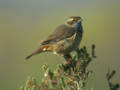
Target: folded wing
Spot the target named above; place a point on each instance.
(60, 33)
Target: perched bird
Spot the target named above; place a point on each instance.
(65, 39)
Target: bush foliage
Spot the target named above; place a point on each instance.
(67, 76)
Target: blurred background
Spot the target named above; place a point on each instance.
(23, 23)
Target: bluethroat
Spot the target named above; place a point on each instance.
(65, 39)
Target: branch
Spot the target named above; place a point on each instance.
(72, 77)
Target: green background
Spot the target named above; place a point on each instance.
(23, 23)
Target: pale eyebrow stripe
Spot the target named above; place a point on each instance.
(70, 19)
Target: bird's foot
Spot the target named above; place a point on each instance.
(67, 64)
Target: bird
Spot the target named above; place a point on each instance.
(63, 40)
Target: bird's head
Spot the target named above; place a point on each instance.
(74, 21)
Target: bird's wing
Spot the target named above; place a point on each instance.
(60, 33)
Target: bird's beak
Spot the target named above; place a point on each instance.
(80, 20)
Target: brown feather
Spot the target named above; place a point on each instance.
(60, 33)
(42, 48)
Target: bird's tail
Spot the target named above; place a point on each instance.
(28, 57)
(40, 50)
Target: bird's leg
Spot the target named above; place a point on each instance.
(68, 57)
(78, 53)
(68, 62)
